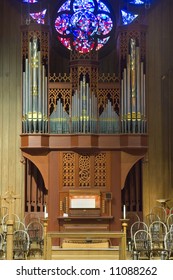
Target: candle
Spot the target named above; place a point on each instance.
(45, 212)
(124, 211)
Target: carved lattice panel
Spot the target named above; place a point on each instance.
(74, 78)
(43, 37)
(59, 78)
(100, 170)
(109, 94)
(76, 56)
(138, 35)
(84, 171)
(62, 93)
(68, 167)
(94, 79)
(44, 43)
(84, 64)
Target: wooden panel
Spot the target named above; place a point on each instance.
(156, 180)
(11, 168)
(85, 227)
(84, 212)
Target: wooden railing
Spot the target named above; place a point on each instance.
(85, 236)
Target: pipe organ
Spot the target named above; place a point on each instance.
(84, 106)
(84, 130)
(87, 109)
(132, 71)
(35, 79)
(83, 115)
(133, 114)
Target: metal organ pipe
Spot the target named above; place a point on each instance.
(142, 96)
(29, 92)
(45, 116)
(24, 103)
(133, 82)
(138, 92)
(39, 94)
(25, 95)
(83, 114)
(128, 96)
(124, 101)
(122, 111)
(34, 91)
(144, 102)
(34, 64)
(133, 115)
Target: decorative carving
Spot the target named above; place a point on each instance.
(108, 78)
(100, 170)
(42, 36)
(68, 167)
(105, 94)
(62, 93)
(63, 78)
(84, 171)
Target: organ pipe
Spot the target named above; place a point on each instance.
(128, 96)
(133, 82)
(138, 91)
(34, 90)
(83, 115)
(133, 113)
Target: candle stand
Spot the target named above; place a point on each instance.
(124, 223)
(45, 225)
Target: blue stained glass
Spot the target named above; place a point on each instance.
(127, 17)
(105, 24)
(101, 43)
(103, 7)
(137, 2)
(83, 24)
(30, 1)
(65, 42)
(84, 5)
(39, 17)
(62, 24)
(83, 45)
(65, 7)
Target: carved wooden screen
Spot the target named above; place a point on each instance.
(85, 170)
(84, 173)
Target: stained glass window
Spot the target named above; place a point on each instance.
(83, 25)
(30, 1)
(39, 17)
(137, 2)
(128, 17)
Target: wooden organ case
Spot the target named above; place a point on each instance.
(85, 198)
(78, 132)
